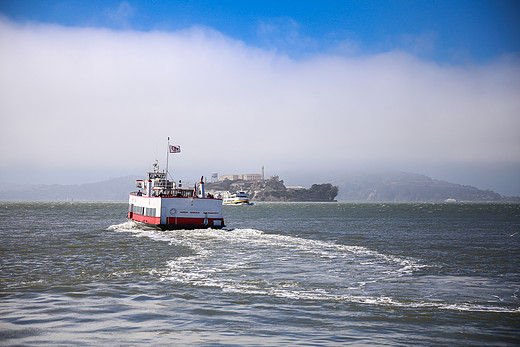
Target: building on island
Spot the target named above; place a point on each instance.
(244, 177)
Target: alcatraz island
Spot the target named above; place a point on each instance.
(271, 189)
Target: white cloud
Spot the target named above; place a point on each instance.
(95, 98)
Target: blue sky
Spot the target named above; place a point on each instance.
(310, 90)
(443, 31)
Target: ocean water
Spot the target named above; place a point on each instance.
(312, 274)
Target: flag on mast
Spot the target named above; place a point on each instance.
(175, 149)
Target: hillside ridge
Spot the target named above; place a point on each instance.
(386, 187)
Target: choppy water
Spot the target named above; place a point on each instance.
(283, 274)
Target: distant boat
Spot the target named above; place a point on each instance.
(168, 205)
(450, 200)
(240, 198)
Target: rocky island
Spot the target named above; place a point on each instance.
(274, 189)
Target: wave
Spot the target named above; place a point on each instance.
(253, 262)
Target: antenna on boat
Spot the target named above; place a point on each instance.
(167, 156)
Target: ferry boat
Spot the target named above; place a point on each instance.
(240, 198)
(166, 204)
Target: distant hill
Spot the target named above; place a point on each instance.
(409, 187)
(116, 189)
(388, 187)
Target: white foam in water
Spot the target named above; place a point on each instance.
(251, 262)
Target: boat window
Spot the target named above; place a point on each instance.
(139, 210)
(149, 211)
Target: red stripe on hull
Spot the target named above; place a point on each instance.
(194, 221)
(144, 219)
(179, 222)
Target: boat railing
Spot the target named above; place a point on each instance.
(172, 193)
(163, 184)
(176, 193)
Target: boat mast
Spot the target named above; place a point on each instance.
(167, 156)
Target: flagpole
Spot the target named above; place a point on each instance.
(167, 156)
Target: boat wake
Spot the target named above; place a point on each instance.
(252, 262)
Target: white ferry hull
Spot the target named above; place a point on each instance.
(169, 213)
